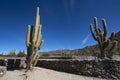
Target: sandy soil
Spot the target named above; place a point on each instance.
(42, 74)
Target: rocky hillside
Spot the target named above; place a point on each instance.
(87, 51)
(117, 37)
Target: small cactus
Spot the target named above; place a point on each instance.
(106, 45)
(33, 42)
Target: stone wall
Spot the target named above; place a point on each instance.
(13, 64)
(105, 68)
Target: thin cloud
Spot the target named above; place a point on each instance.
(72, 4)
(85, 39)
(68, 6)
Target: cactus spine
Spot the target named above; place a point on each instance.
(105, 44)
(33, 42)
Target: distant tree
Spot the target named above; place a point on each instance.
(21, 54)
(12, 53)
(1, 54)
(46, 54)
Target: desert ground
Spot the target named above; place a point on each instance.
(42, 74)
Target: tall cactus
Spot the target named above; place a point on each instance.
(105, 44)
(33, 42)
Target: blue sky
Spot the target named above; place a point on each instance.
(65, 23)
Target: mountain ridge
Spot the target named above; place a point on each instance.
(88, 50)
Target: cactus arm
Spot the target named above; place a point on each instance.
(35, 35)
(41, 43)
(34, 56)
(96, 26)
(36, 59)
(38, 42)
(37, 21)
(112, 36)
(99, 30)
(91, 30)
(113, 46)
(96, 23)
(104, 27)
(40, 28)
(36, 32)
(39, 38)
(28, 36)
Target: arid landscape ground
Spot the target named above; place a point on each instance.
(43, 74)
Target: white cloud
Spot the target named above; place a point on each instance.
(85, 39)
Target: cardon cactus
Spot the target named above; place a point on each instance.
(105, 44)
(33, 42)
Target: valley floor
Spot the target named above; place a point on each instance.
(42, 74)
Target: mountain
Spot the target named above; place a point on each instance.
(88, 50)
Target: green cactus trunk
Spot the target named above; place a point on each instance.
(33, 42)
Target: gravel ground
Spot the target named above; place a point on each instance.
(42, 74)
